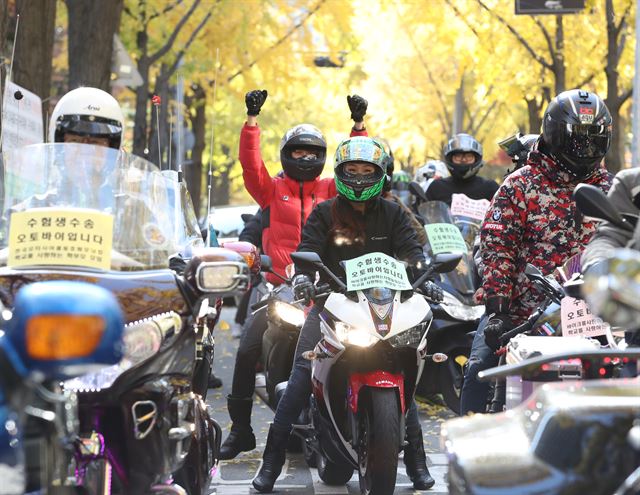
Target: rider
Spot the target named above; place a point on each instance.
(87, 115)
(533, 219)
(286, 202)
(463, 158)
(431, 171)
(357, 222)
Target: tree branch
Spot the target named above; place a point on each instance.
(518, 36)
(625, 96)
(168, 8)
(288, 34)
(189, 42)
(547, 37)
(623, 20)
(462, 17)
(169, 43)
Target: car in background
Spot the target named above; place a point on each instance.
(228, 220)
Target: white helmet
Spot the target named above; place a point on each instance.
(433, 169)
(87, 112)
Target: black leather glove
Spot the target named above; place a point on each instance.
(303, 288)
(494, 330)
(358, 107)
(254, 101)
(432, 292)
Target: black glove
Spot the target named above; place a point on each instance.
(497, 326)
(358, 107)
(432, 292)
(303, 288)
(254, 101)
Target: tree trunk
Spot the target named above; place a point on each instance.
(34, 46)
(193, 171)
(221, 188)
(159, 154)
(614, 159)
(4, 17)
(142, 101)
(92, 26)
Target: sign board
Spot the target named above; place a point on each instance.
(462, 205)
(21, 117)
(554, 7)
(376, 270)
(445, 238)
(578, 320)
(60, 236)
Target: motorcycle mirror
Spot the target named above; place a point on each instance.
(246, 217)
(417, 191)
(532, 272)
(307, 258)
(446, 262)
(592, 202)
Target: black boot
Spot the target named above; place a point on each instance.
(272, 459)
(241, 437)
(415, 460)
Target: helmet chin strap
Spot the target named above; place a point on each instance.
(572, 173)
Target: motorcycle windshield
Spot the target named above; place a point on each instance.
(449, 234)
(89, 206)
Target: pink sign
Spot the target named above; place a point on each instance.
(578, 321)
(462, 205)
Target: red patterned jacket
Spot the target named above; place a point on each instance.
(532, 219)
(285, 202)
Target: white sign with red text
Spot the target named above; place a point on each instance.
(578, 320)
(462, 205)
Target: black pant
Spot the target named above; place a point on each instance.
(298, 389)
(249, 351)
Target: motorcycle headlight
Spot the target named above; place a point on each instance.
(348, 334)
(409, 338)
(289, 314)
(454, 308)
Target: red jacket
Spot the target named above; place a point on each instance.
(285, 202)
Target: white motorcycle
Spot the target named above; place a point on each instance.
(365, 368)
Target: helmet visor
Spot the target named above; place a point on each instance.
(587, 140)
(89, 126)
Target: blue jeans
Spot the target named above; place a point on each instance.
(473, 397)
(298, 390)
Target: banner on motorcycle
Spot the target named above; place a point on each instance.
(376, 270)
(54, 236)
(445, 238)
(462, 205)
(578, 320)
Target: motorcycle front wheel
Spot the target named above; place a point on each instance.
(379, 442)
(331, 473)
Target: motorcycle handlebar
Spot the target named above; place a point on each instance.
(260, 304)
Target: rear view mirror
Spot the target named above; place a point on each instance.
(417, 191)
(309, 259)
(266, 265)
(446, 262)
(592, 202)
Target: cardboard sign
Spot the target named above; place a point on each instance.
(578, 321)
(445, 238)
(462, 205)
(55, 236)
(376, 270)
(21, 118)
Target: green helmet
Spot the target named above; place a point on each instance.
(358, 187)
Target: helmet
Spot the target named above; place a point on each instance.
(357, 187)
(518, 147)
(389, 162)
(307, 137)
(400, 180)
(576, 131)
(433, 169)
(462, 143)
(87, 112)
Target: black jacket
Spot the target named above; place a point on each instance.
(625, 196)
(252, 231)
(388, 231)
(475, 188)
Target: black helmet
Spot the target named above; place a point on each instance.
(463, 143)
(307, 137)
(518, 147)
(389, 162)
(576, 131)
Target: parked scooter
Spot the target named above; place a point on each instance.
(366, 367)
(94, 214)
(57, 330)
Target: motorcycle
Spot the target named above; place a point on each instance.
(366, 367)
(457, 317)
(80, 212)
(56, 330)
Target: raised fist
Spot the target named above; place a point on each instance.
(254, 101)
(358, 107)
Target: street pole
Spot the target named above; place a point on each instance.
(635, 122)
(180, 120)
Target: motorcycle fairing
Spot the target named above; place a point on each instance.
(374, 379)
